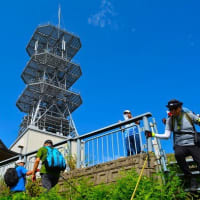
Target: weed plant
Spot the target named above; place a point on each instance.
(122, 189)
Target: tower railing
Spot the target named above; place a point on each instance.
(102, 145)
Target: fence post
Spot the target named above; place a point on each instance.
(83, 151)
(69, 150)
(146, 128)
(78, 164)
(163, 156)
(25, 160)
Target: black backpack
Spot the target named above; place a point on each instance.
(10, 177)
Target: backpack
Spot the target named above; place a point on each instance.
(54, 159)
(196, 134)
(10, 177)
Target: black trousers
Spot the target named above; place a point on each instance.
(49, 181)
(181, 152)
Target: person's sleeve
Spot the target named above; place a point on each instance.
(40, 153)
(168, 125)
(24, 171)
(166, 135)
(168, 130)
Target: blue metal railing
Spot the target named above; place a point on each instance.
(110, 146)
(101, 145)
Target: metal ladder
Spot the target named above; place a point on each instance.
(159, 152)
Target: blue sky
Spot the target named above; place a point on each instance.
(135, 55)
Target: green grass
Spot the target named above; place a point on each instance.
(122, 189)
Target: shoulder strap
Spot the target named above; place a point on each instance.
(190, 120)
(48, 148)
(17, 173)
(172, 128)
(179, 122)
(173, 120)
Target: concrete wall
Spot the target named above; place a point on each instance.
(33, 139)
(109, 171)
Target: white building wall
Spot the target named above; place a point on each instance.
(33, 139)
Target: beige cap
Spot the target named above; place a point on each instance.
(127, 111)
(19, 161)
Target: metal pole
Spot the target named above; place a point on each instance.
(97, 151)
(140, 138)
(78, 164)
(112, 147)
(83, 148)
(25, 160)
(162, 154)
(134, 136)
(118, 143)
(102, 149)
(146, 128)
(93, 152)
(107, 148)
(69, 147)
(123, 138)
(36, 112)
(129, 145)
(88, 156)
(59, 13)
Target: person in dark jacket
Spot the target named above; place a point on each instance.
(181, 123)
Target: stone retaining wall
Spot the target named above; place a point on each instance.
(109, 171)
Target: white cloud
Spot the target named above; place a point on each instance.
(104, 16)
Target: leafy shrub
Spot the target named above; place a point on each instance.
(4, 190)
(148, 189)
(122, 189)
(71, 161)
(34, 189)
(53, 194)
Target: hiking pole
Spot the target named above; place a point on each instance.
(138, 181)
(148, 157)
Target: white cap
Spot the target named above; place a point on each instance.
(19, 161)
(127, 111)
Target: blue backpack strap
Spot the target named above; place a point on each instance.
(59, 161)
(49, 151)
(54, 159)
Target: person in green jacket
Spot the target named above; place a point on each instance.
(49, 177)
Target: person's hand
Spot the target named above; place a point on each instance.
(33, 177)
(198, 120)
(164, 120)
(149, 134)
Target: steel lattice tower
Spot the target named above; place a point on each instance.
(49, 75)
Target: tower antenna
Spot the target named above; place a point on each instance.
(59, 14)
